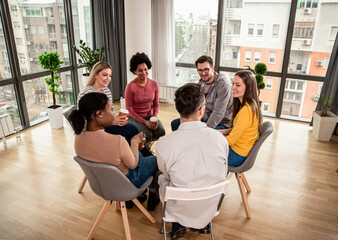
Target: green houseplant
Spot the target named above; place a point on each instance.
(260, 70)
(88, 56)
(51, 61)
(324, 121)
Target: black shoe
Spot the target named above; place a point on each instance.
(177, 231)
(143, 197)
(130, 204)
(153, 200)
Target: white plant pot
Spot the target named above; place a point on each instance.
(84, 79)
(55, 117)
(323, 126)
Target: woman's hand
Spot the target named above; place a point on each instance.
(140, 137)
(149, 125)
(120, 121)
(225, 131)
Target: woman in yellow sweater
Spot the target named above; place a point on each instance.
(247, 117)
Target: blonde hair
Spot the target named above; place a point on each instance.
(98, 67)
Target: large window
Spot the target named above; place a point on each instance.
(255, 32)
(39, 27)
(195, 32)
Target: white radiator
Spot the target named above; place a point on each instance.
(167, 94)
(6, 125)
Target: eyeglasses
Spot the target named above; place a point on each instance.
(202, 105)
(205, 70)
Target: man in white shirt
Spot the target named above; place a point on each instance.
(193, 156)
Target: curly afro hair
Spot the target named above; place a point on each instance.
(137, 59)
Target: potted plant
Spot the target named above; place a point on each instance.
(260, 70)
(324, 121)
(51, 61)
(88, 56)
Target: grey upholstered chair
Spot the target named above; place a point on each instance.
(68, 112)
(111, 184)
(267, 129)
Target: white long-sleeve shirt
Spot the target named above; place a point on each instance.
(192, 156)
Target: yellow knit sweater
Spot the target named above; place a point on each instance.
(244, 133)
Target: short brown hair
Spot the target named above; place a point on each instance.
(204, 58)
(188, 99)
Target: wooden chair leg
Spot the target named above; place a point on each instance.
(117, 206)
(83, 183)
(145, 212)
(246, 184)
(125, 220)
(99, 219)
(239, 177)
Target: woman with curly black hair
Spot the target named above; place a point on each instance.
(142, 98)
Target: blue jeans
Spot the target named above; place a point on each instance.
(127, 131)
(234, 159)
(146, 167)
(176, 123)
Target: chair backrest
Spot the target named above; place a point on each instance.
(200, 205)
(267, 129)
(69, 111)
(194, 194)
(109, 182)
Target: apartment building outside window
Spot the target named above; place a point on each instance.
(314, 22)
(260, 28)
(272, 57)
(257, 56)
(248, 54)
(275, 30)
(251, 29)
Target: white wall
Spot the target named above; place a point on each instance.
(138, 30)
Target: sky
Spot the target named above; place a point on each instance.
(197, 7)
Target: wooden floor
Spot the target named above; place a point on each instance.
(294, 190)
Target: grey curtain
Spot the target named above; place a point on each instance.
(109, 31)
(330, 86)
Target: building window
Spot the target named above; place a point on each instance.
(272, 57)
(41, 30)
(275, 30)
(19, 41)
(299, 67)
(248, 55)
(269, 82)
(32, 29)
(22, 56)
(250, 29)
(234, 55)
(14, 8)
(266, 106)
(257, 56)
(333, 33)
(260, 29)
(16, 25)
(300, 85)
(303, 30)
